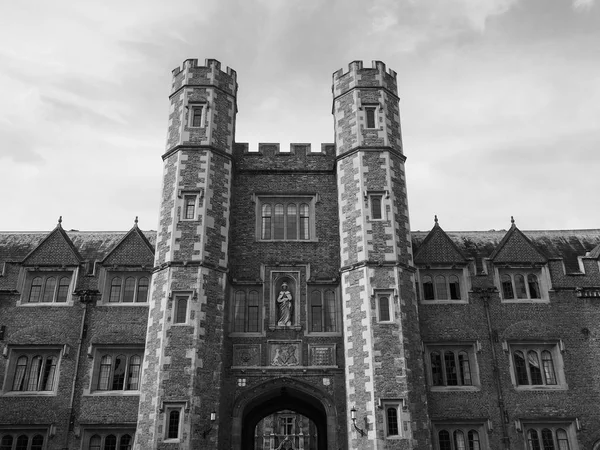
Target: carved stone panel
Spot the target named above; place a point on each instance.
(246, 355)
(322, 355)
(285, 353)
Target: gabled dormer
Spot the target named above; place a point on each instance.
(520, 268)
(49, 272)
(442, 269)
(125, 272)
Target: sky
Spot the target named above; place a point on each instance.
(500, 101)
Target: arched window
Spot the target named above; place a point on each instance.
(330, 311)
(173, 425)
(533, 439)
(534, 367)
(465, 369)
(104, 373)
(392, 421)
(125, 442)
(278, 222)
(253, 312)
(37, 443)
(304, 222)
(133, 377)
(459, 440)
(316, 309)
(548, 365)
(6, 442)
(95, 442)
(375, 207)
(450, 366)
(110, 442)
(534, 288)
(63, 290)
(444, 440)
(22, 442)
(547, 439)
(47, 382)
(266, 221)
(520, 368)
(520, 286)
(34, 373)
(119, 373)
(181, 309)
(239, 319)
(49, 290)
(436, 369)
(384, 308)
(142, 293)
(440, 288)
(19, 378)
(562, 439)
(35, 292)
(115, 290)
(454, 287)
(507, 288)
(428, 288)
(129, 290)
(292, 222)
(473, 437)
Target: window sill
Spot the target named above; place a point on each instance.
(246, 334)
(33, 305)
(121, 304)
(29, 394)
(454, 388)
(558, 387)
(326, 333)
(295, 241)
(526, 300)
(112, 394)
(445, 302)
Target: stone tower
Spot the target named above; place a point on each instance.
(182, 364)
(385, 383)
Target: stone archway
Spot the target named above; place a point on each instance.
(283, 394)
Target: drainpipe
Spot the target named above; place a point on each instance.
(485, 294)
(85, 297)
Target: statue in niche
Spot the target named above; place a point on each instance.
(284, 301)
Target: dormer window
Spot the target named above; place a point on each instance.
(439, 285)
(47, 287)
(516, 285)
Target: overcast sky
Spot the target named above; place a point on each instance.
(500, 100)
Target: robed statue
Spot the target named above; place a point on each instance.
(284, 301)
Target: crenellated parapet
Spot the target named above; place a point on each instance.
(270, 156)
(357, 76)
(208, 75)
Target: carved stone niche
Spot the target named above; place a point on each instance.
(285, 301)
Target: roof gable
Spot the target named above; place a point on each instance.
(133, 249)
(56, 249)
(515, 247)
(594, 253)
(438, 248)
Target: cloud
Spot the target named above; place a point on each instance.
(583, 5)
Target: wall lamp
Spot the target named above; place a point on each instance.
(213, 417)
(353, 417)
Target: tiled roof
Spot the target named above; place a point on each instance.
(438, 248)
(565, 244)
(91, 245)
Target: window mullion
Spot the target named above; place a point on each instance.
(458, 366)
(443, 364)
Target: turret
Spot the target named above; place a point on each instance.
(383, 384)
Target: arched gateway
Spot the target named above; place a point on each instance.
(283, 394)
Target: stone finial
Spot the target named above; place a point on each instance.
(512, 220)
(59, 224)
(435, 219)
(135, 222)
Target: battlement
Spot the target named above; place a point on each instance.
(358, 76)
(210, 74)
(271, 157)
